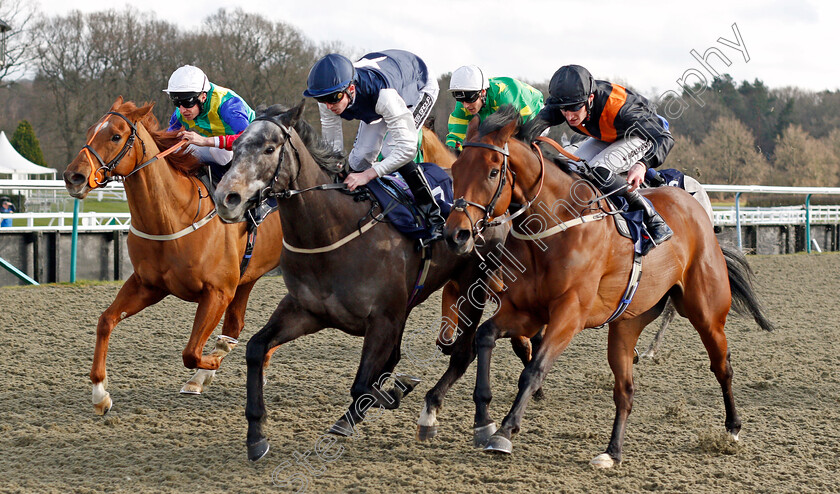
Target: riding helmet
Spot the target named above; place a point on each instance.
(468, 78)
(570, 85)
(188, 79)
(331, 74)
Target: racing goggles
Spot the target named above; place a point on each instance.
(186, 102)
(330, 99)
(572, 107)
(466, 96)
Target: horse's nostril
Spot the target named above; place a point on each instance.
(462, 236)
(233, 200)
(74, 178)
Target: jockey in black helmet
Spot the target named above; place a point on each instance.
(625, 135)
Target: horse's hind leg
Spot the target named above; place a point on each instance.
(380, 354)
(525, 348)
(287, 323)
(706, 305)
(667, 317)
(131, 299)
(226, 342)
(621, 344)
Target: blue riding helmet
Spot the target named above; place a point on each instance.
(570, 85)
(331, 74)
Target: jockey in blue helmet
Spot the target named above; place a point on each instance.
(391, 92)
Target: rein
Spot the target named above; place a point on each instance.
(108, 175)
(268, 192)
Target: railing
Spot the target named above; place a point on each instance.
(61, 221)
(765, 189)
(736, 216)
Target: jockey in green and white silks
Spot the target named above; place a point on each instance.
(476, 95)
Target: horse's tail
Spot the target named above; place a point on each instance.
(741, 278)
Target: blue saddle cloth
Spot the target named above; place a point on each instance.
(635, 219)
(393, 194)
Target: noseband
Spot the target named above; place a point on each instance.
(107, 169)
(482, 224)
(269, 191)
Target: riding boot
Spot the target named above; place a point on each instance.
(413, 175)
(610, 182)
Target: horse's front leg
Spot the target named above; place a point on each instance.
(288, 322)
(226, 342)
(131, 299)
(565, 322)
(485, 341)
(211, 306)
(456, 339)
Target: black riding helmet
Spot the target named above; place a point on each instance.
(570, 85)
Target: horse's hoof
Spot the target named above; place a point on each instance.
(498, 444)
(733, 436)
(603, 460)
(426, 432)
(341, 427)
(408, 382)
(258, 450)
(192, 388)
(482, 434)
(635, 355)
(103, 406)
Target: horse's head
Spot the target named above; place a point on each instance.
(108, 143)
(482, 178)
(262, 162)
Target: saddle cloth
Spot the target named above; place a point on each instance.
(394, 195)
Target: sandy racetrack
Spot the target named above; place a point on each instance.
(787, 387)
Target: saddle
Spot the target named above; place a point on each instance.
(395, 197)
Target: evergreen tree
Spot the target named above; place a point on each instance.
(25, 143)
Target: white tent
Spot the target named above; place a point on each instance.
(20, 168)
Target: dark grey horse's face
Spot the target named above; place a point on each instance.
(256, 156)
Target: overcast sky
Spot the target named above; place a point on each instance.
(645, 44)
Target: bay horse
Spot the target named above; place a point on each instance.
(575, 269)
(343, 269)
(176, 244)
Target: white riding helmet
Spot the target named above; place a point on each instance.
(188, 79)
(468, 78)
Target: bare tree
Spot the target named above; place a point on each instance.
(730, 154)
(801, 160)
(20, 16)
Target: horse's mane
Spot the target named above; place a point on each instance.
(322, 152)
(181, 160)
(526, 133)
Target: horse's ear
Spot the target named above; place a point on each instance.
(508, 130)
(472, 129)
(117, 103)
(291, 116)
(141, 112)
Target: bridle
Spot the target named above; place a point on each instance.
(106, 170)
(486, 221)
(269, 190)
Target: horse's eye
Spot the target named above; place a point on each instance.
(269, 150)
(494, 173)
(116, 138)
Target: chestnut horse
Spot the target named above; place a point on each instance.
(200, 263)
(343, 269)
(574, 271)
